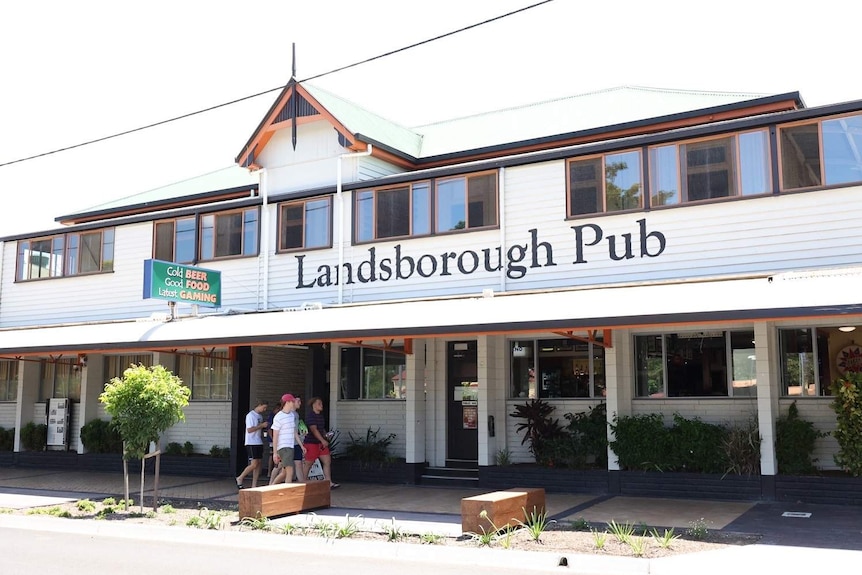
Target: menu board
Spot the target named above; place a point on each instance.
(58, 421)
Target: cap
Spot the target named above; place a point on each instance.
(287, 397)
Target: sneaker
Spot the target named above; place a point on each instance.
(334, 485)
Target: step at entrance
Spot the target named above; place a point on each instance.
(455, 474)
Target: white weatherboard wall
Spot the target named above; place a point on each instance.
(7, 414)
(207, 423)
(358, 416)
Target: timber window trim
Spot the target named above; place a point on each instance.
(592, 183)
(65, 255)
(453, 204)
(305, 224)
(821, 153)
(208, 237)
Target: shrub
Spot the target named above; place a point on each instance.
(174, 448)
(7, 439)
(794, 443)
(538, 426)
(847, 405)
(590, 428)
(742, 448)
(697, 446)
(34, 437)
(641, 442)
(188, 448)
(369, 449)
(99, 436)
(217, 451)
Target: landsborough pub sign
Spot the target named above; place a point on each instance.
(179, 283)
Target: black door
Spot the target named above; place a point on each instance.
(463, 403)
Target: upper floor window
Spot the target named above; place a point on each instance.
(208, 376)
(305, 224)
(225, 234)
(8, 380)
(459, 203)
(696, 364)
(608, 183)
(821, 153)
(68, 254)
(736, 165)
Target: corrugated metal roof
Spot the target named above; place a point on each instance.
(224, 179)
(563, 115)
(361, 121)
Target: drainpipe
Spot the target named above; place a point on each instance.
(263, 190)
(502, 208)
(340, 201)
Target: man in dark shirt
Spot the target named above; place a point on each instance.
(317, 442)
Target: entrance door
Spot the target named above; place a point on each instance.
(463, 403)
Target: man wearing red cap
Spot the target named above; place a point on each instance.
(284, 437)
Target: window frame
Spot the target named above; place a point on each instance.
(70, 388)
(9, 372)
(116, 365)
(207, 390)
(361, 385)
(283, 206)
(65, 254)
(199, 231)
(822, 159)
(663, 393)
(602, 181)
(532, 388)
(430, 210)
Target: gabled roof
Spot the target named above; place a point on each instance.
(594, 115)
(227, 183)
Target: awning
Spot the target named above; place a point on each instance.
(817, 294)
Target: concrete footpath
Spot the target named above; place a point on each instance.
(795, 538)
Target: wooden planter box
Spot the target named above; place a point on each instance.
(389, 472)
(548, 478)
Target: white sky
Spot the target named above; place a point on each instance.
(75, 71)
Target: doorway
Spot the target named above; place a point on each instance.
(462, 444)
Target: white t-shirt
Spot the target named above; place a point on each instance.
(253, 419)
(285, 424)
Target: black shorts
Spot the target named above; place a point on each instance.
(297, 453)
(254, 451)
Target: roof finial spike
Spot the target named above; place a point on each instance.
(293, 69)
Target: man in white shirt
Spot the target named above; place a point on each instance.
(284, 436)
(254, 426)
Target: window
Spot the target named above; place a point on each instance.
(694, 364)
(208, 376)
(226, 234)
(229, 234)
(305, 224)
(393, 212)
(69, 254)
(175, 241)
(811, 358)
(373, 373)
(460, 203)
(8, 380)
(60, 379)
(609, 183)
(818, 153)
(116, 365)
(557, 368)
(710, 169)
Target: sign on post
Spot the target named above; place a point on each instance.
(176, 282)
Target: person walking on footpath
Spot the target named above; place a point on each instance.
(316, 442)
(299, 446)
(284, 436)
(270, 451)
(254, 426)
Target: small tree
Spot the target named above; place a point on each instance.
(144, 403)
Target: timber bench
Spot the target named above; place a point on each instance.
(283, 499)
(503, 508)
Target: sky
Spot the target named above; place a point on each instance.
(71, 72)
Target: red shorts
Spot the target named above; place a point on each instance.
(315, 450)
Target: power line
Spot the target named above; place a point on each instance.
(238, 100)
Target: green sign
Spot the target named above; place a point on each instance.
(175, 282)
